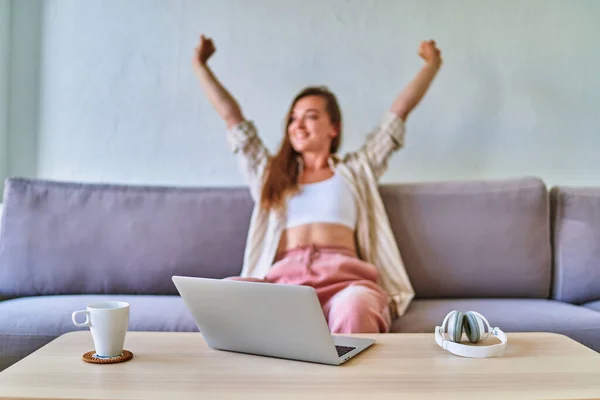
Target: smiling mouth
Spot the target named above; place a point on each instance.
(301, 135)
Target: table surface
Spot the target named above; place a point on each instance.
(177, 365)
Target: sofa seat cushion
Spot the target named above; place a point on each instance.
(28, 323)
(511, 315)
(594, 305)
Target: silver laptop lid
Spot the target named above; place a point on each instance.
(268, 319)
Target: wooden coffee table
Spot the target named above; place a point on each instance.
(181, 366)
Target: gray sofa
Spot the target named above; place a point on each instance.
(525, 256)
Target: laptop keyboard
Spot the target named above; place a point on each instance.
(343, 350)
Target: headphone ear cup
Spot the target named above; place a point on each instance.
(455, 326)
(474, 327)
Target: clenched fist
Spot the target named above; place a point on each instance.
(430, 53)
(203, 51)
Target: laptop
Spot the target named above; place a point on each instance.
(265, 319)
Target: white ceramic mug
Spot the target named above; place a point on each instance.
(108, 321)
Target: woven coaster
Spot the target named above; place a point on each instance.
(91, 357)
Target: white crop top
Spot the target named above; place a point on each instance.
(329, 201)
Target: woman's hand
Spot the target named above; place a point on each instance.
(412, 94)
(430, 53)
(219, 97)
(203, 51)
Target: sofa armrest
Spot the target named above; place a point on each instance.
(576, 243)
(0, 221)
(1, 297)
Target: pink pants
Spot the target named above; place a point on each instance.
(346, 286)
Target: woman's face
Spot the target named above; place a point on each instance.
(310, 128)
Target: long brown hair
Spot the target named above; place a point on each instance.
(281, 179)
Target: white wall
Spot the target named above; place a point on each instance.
(20, 37)
(25, 52)
(4, 77)
(519, 93)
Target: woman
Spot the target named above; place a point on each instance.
(318, 218)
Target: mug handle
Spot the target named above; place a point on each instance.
(87, 318)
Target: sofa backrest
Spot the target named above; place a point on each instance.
(458, 239)
(488, 238)
(576, 242)
(69, 238)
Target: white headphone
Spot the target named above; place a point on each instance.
(476, 327)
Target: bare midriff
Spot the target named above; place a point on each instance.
(318, 234)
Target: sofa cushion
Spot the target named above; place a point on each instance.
(28, 323)
(473, 238)
(70, 238)
(576, 242)
(594, 305)
(510, 315)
